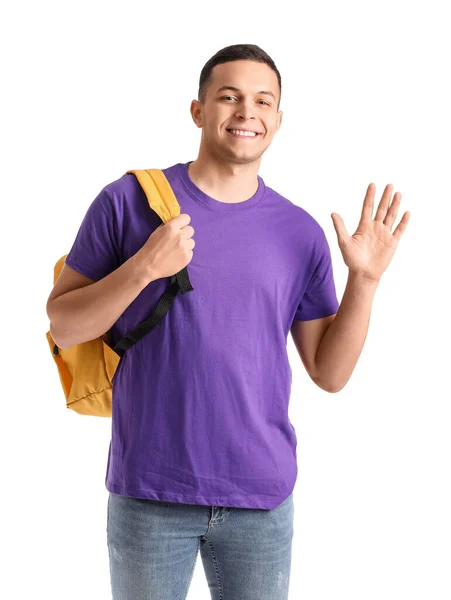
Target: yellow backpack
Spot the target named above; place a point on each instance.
(86, 370)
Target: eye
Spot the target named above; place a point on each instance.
(226, 97)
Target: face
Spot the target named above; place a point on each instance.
(241, 95)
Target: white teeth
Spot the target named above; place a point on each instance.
(243, 133)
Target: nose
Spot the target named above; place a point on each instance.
(244, 110)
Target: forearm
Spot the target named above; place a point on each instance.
(88, 312)
(343, 341)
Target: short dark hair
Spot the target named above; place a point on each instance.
(236, 52)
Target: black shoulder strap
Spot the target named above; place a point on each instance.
(179, 281)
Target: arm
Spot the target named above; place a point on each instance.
(343, 341)
(94, 288)
(81, 309)
(307, 336)
(330, 347)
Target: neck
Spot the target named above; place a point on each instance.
(225, 181)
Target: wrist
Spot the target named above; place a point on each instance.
(360, 278)
(143, 268)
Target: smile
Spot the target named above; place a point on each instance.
(242, 134)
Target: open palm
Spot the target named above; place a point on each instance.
(371, 248)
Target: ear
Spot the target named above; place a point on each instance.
(279, 119)
(196, 112)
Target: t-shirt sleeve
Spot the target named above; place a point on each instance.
(95, 251)
(319, 298)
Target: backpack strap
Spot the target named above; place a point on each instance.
(159, 193)
(163, 201)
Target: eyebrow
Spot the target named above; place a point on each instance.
(235, 89)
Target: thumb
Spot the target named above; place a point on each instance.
(340, 228)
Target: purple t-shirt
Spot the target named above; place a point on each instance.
(200, 404)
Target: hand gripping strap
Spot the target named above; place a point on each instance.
(162, 200)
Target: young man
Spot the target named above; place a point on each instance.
(203, 454)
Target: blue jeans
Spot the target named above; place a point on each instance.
(153, 546)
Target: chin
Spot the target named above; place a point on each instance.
(243, 159)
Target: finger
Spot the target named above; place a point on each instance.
(368, 204)
(401, 226)
(383, 204)
(340, 228)
(393, 210)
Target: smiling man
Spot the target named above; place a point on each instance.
(238, 111)
(202, 453)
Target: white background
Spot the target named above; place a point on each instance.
(94, 89)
